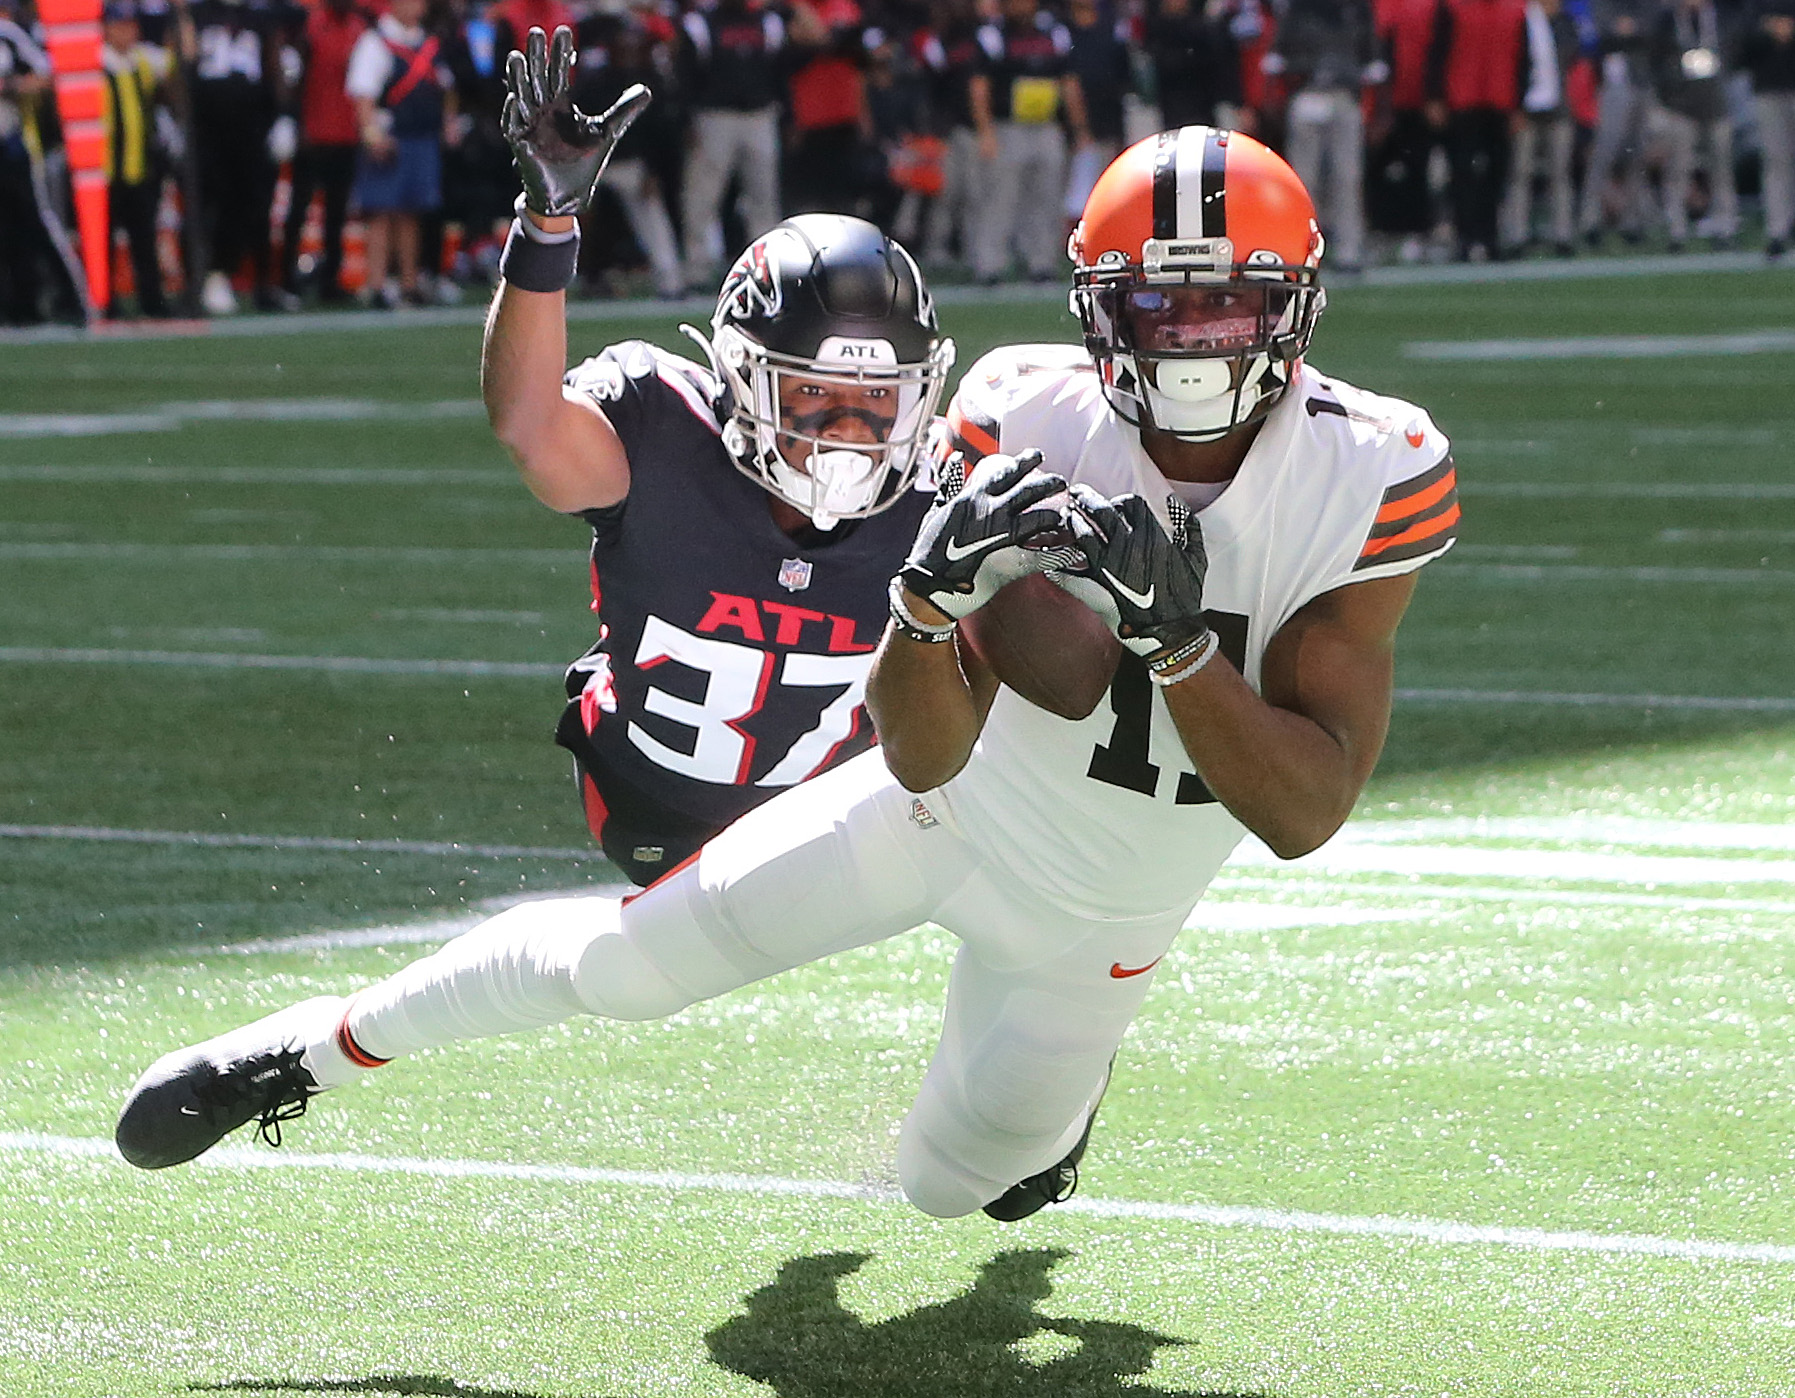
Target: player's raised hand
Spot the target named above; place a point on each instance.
(560, 151)
(1146, 584)
(972, 540)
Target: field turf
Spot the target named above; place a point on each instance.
(1492, 1096)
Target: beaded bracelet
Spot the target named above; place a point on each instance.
(907, 623)
(1185, 661)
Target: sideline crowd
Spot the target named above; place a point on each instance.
(268, 153)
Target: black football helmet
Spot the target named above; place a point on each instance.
(826, 297)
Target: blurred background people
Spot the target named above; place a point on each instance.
(1020, 92)
(1403, 135)
(1324, 53)
(404, 105)
(1623, 57)
(617, 50)
(238, 88)
(137, 78)
(735, 59)
(1768, 54)
(1689, 80)
(1545, 133)
(1477, 68)
(329, 136)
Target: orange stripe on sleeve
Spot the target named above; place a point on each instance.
(970, 432)
(1414, 504)
(1426, 529)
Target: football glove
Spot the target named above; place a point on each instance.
(560, 151)
(972, 540)
(1146, 585)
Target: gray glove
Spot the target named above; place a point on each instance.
(974, 541)
(1146, 585)
(560, 151)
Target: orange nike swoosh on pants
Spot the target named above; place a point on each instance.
(1122, 973)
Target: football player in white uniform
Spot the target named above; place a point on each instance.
(1247, 527)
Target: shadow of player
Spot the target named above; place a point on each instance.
(795, 1336)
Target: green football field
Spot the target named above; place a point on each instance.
(1490, 1096)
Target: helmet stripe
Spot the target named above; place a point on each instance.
(1214, 184)
(1165, 186)
(1191, 223)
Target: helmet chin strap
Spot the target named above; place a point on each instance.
(839, 482)
(1197, 398)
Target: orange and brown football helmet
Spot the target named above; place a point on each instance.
(1195, 279)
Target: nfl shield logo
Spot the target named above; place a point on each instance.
(794, 575)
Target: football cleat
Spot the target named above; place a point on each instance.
(1054, 1185)
(190, 1099)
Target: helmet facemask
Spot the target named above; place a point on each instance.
(1191, 343)
(791, 452)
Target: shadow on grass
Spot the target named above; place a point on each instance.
(373, 1385)
(795, 1336)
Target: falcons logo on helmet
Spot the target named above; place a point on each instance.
(752, 286)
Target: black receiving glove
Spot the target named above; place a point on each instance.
(560, 151)
(1146, 585)
(972, 541)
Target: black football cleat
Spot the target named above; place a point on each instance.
(1054, 1185)
(190, 1099)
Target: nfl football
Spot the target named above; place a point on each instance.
(1046, 645)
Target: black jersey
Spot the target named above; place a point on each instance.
(236, 75)
(732, 658)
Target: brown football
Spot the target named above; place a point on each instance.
(1046, 645)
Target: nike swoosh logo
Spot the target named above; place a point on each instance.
(955, 553)
(1415, 437)
(1120, 972)
(1143, 600)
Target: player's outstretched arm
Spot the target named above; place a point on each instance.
(1292, 763)
(928, 704)
(563, 444)
(927, 693)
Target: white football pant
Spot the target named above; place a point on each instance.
(1037, 1004)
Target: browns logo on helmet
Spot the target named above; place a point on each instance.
(1195, 280)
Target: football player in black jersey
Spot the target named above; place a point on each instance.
(747, 512)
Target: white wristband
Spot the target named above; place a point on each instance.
(1211, 647)
(536, 233)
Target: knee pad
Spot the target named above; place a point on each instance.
(935, 1184)
(615, 979)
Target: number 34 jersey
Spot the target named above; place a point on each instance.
(732, 658)
(1105, 815)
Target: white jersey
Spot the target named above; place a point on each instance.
(1105, 815)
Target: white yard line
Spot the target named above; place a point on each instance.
(1726, 536)
(60, 552)
(1529, 865)
(1369, 847)
(1444, 1232)
(231, 660)
(122, 473)
(1321, 885)
(1632, 490)
(1635, 832)
(171, 417)
(104, 834)
(1535, 698)
(1579, 572)
(377, 665)
(1770, 341)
